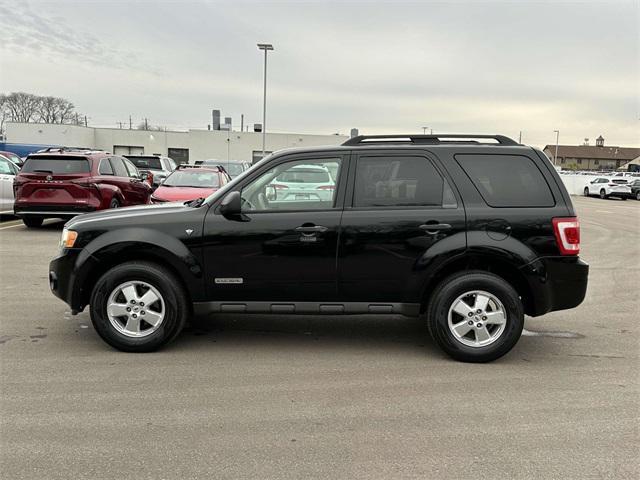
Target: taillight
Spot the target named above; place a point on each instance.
(567, 232)
(326, 187)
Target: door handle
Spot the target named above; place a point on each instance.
(434, 227)
(312, 229)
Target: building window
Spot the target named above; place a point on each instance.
(579, 161)
(128, 150)
(179, 155)
(256, 156)
(596, 162)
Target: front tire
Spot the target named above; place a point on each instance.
(114, 203)
(475, 316)
(32, 222)
(138, 307)
(638, 195)
(603, 194)
(586, 191)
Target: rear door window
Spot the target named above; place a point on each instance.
(397, 181)
(105, 167)
(56, 164)
(507, 180)
(131, 169)
(118, 166)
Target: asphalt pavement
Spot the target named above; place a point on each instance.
(322, 397)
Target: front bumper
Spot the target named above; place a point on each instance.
(65, 278)
(557, 283)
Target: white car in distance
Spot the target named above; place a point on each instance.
(304, 183)
(608, 187)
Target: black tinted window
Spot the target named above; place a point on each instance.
(56, 164)
(105, 167)
(118, 166)
(397, 181)
(146, 163)
(507, 180)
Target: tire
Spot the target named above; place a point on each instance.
(603, 194)
(172, 305)
(585, 192)
(114, 203)
(623, 198)
(638, 195)
(503, 337)
(33, 222)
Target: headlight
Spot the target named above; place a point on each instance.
(68, 238)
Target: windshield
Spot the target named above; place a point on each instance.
(192, 178)
(146, 163)
(12, 156)
(56, 164)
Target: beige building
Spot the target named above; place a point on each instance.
(591, 157)
(187, 146)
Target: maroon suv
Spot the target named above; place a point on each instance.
(65, 183)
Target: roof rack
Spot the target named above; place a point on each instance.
(428, 139)
(68, 149)
(182, 166)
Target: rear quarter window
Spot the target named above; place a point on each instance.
(56, 164)
(507, 180)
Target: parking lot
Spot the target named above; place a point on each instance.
(322, 397)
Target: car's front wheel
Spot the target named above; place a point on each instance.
(638, 195)
(603, 193)
(475, 316)
(586, 191)
(138, 307)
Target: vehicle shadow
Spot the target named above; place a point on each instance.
(368, 331)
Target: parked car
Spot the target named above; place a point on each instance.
(468, 235)
(8, 171)
(189, 183)
(232, 167)
(635, 189)
(304, 182)
(12, 157)
(159, 166)
(606, 187)
(65, 183)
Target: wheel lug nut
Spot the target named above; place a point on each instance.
(135, 316)
(471, 322)
(142, 312)
(479, 325)
(478, 311)
(128, 309)
(133, 302)
(471, 314)
(484, 318)
(142, 304)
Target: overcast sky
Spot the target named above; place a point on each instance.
(384, 67)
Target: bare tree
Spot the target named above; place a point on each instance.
(55, 110)
(23, 107)
(4, 114)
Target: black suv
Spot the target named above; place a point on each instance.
(468, 232)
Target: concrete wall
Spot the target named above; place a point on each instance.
(202, 144)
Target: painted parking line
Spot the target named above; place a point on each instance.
(603, 211)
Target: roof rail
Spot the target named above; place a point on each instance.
(182, 166)
(428, 139)
(68, 149)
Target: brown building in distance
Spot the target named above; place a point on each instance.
(590, 157)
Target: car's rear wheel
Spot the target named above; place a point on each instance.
(475, 316)
(586, 191)
(603, 193)
(33, 222)
(138, 307)
(114, 203)
(638, 195)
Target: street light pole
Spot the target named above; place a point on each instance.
(424, 130)
(555, 157)
(266, 47)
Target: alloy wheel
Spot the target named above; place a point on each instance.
(477, 318)
(135, 309)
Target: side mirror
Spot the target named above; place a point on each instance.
(231, 204)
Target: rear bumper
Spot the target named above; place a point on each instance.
(557, 283)
(52, 211)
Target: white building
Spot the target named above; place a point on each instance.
(186, 146)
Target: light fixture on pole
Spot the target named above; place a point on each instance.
(555, 157)
(424, 130)
(266, 47)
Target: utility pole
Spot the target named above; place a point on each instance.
(85, 121)
(424, 130)
(555, 157)
(146, 124)
(130, 124)
(120, 125)
(520, 137)
(266, 47)
(242, 122)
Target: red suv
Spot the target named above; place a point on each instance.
(64, 183)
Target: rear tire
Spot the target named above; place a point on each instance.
(127, 286)
(638, 196)
(114, 203)
(603, 194)
(33, 222)
(471, 344)
(586, 191)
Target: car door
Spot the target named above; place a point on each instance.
(276, 251)
(140, 190)
(8, 172)
(400, 214)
